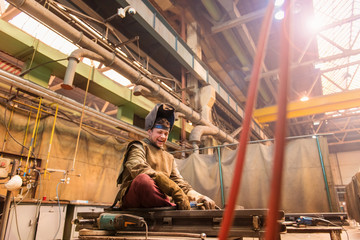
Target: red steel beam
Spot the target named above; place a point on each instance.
(272, 226)
(251, 97)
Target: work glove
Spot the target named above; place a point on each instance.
(203, 202)
(170, 188)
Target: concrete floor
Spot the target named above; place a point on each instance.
(353, 233)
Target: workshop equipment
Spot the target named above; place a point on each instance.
(336, 218)
(247, 223)
(115, 221)
(307, 221)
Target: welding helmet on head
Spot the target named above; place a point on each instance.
(161, 110)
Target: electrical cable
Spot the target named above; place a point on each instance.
(331, 223)
(39, 185)
(57, 196)
(25, 137)
(146, 229)
(15, 211)
(8, 131)
(16, 219)
(51, 139)
(38, 205)
(82, 117)
(37, 120)
(8, 127)
(42, 64)
(18, 202)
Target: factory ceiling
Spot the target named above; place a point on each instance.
(223, 35)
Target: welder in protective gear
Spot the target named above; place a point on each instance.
(149, 176)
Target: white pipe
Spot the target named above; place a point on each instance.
(73, 60)
(42, 14)
(66, 102)
(198, 131)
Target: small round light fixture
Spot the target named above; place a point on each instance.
(279, 15)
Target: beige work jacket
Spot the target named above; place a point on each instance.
(143, 157)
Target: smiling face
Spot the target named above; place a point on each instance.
(158, 136)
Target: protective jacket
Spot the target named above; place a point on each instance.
(143, 157)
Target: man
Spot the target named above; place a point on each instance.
(149, 174)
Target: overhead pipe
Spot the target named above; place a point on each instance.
(201, 130)
(135, 76)
(73, 60)
(196, 133)
(140, 90)
(66, 102)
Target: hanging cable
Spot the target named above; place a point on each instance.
(7, 127)
(37, 130)
(221, 178)
(33, 135)
(58, 201)
(16, 218)
(8, 131)
(324, 174)
(25, 138)
(82, 116)
(42, 64)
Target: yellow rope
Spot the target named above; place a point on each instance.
(33, 135)
(82, 116)
(51, 139)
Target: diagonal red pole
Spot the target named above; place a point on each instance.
(251, 97)
(272, 226)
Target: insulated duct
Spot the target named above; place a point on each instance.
(42, 14)
(73, 60)
(66, 102)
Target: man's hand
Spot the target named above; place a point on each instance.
(204, 202)
(207, 203)
(170, 188)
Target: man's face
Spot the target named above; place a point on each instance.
(158, 136)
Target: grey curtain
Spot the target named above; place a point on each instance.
(303, 188)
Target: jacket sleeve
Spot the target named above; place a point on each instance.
(135, 161)
(179, 180)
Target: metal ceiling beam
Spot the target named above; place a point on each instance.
(347, 53)
(317, 105)
(235, 22)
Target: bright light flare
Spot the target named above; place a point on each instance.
(304, 99)
(279, 3)
(279, 15)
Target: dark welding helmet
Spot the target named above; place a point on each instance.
(161, 110)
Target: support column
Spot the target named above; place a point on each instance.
(207, 98)
(125, 114)
(193, 39)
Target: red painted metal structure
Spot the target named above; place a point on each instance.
(244, 136)
(272, 231)
(9, 67)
